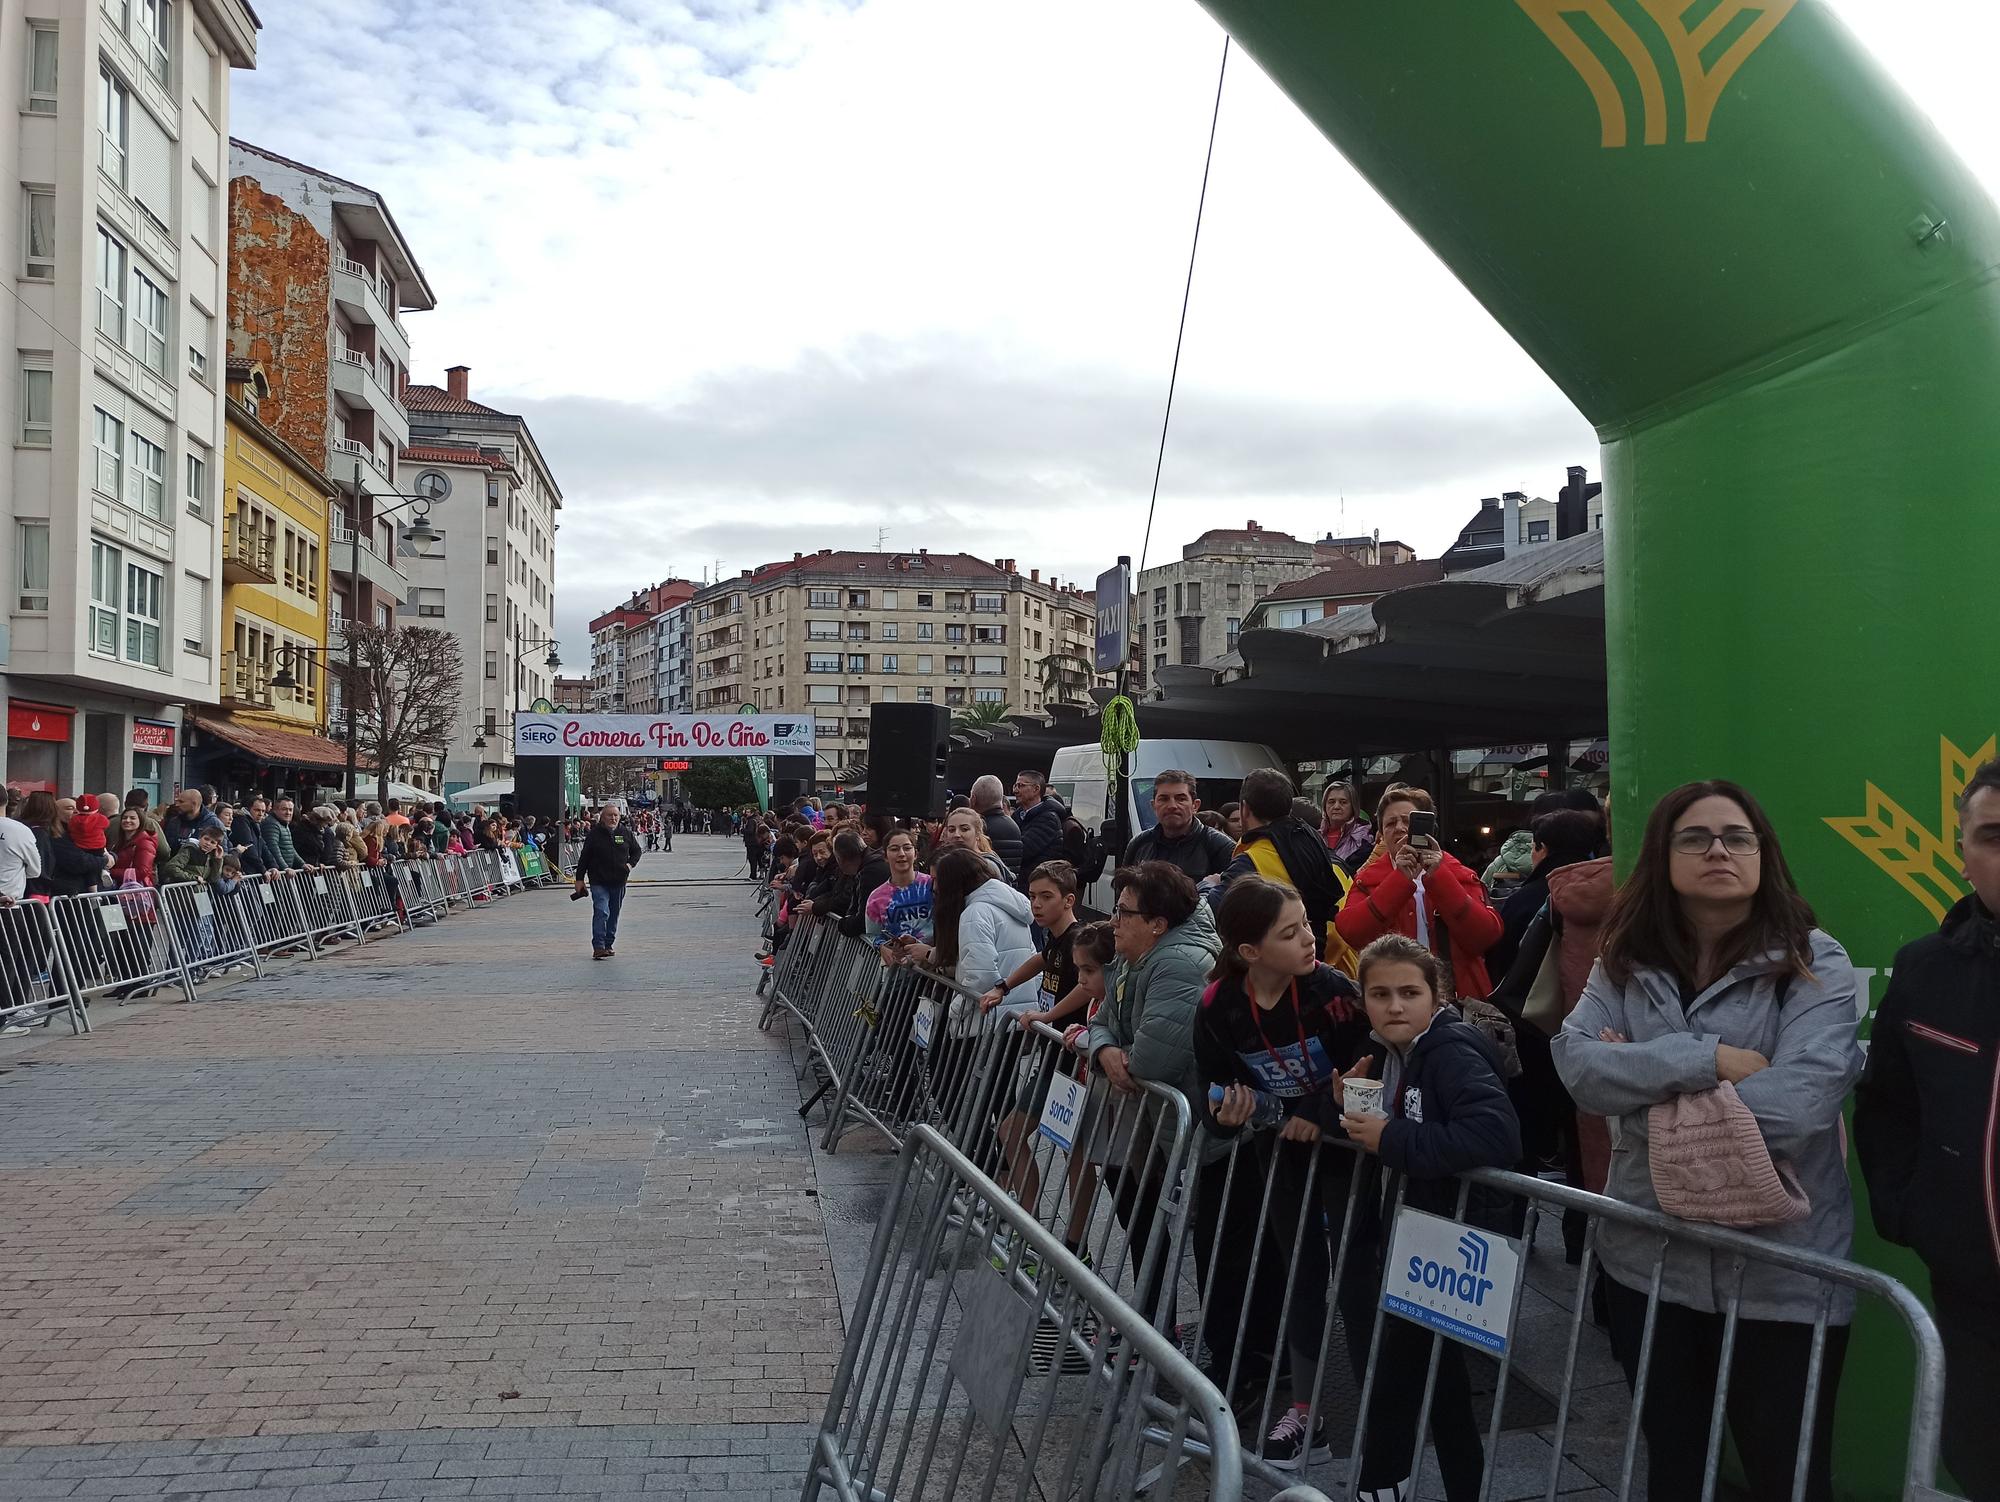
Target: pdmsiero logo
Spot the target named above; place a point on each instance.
(538, 733)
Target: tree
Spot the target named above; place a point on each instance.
(1066, 677)
(403, 685)
(718, 782)
(610, 776)
(983, 715)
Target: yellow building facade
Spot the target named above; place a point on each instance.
(274, 571)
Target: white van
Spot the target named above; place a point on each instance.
(1218, 767)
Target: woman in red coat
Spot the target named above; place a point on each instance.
(1423, 893)
(133, 855)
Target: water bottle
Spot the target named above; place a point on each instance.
(1269, 1111)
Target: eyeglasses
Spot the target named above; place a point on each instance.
(1121, 911)
(1695, 840)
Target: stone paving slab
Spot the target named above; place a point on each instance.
(457, 1213)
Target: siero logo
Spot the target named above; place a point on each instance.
(1469, 1284)
(538, 733)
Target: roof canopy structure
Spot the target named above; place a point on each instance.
(1513, 652)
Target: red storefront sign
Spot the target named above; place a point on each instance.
(35, 722)
(152, 738)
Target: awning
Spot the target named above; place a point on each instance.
(280, 748)
(485, 792)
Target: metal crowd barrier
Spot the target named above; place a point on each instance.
(1263, 1260)
(939, 1392)
(115, 942)
(212, 929)
(34, 981)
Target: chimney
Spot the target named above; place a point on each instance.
(457, 379)
(1489, 503)
(1036, 575)
(1510, 536)
(797, 556)
(1252, 527)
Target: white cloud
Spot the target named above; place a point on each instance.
(771, 276)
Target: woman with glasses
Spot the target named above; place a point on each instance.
(1713, 971)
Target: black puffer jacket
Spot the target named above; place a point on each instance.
(1448, 1111)
(1924, 1124)
(853, 898)
(1041, 829)
(608, 856)
(1005, 837)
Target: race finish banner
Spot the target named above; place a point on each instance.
(679, 735)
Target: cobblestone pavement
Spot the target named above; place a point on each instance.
(461, 1213)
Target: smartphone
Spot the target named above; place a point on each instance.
(1423, 827)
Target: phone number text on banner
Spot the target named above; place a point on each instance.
(659, 735)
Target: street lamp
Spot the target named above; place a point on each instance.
(420, 535)
(552, 661)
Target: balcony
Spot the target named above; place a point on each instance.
(246, 682)
(346, 452)
(247, 555)
(357, 381)
(374, 569)
(360, 296)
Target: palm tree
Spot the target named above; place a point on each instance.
(983, 715)
(1059, 672)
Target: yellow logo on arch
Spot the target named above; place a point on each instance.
(1922, 861)
(1704, 73)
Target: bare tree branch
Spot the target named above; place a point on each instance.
(404, 684)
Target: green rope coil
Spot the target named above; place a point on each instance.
(1120, 736)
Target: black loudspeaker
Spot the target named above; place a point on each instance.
(538, 786)
(785, 791)
(907, 747)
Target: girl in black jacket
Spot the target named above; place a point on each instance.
(1446, 1111)
(1276, 1023)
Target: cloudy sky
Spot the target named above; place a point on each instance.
(769, 275)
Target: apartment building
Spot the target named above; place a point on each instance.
(111, 538)
(625, 645)
(270, 733)
(319, 273)
(834, 633)
(489, 578)
(673, 642)
(1190, 610)
(572, 694)
(1514, 521)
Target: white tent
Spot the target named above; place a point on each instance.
(402, 790)
(485, 792)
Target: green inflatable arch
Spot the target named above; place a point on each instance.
(1758, 271)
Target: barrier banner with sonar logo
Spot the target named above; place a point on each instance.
(1453, 1278)
(676, 735)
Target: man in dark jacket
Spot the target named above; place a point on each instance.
(1039, 819)
(1923, 1128)
(246, 838)
(1002, 833)
(185, 821)
(1177, 835)
(609, 853)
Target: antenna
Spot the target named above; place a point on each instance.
(881, 537)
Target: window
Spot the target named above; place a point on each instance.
(989, 696)
(492, 553)
(493, 492)
(1538, 531)
(823, 599)
(954, 633)
(1233, 593)
(109, 440)
(888, 599)
(989, 665)
(148, 478)
(822, 631)
(192, 608)
(492, 608)
(124, 606)
(31, 548)
(201, 337)
(989, 603)
(41, 262)
(822, 662)
(197, 479)
(430, 603)
(822, 693)
(110, 287)
(923, 630)
(1160, 600)
(954, 696)
(114, 113)
(889, 632)
(926, 602)
(954, 664)
(992, 635)
(1232, 625)
(201, 210)
(42, 70)
(890, 663)
(156, 38)
(857, 631)
(149, 322)
(144, 592)
(888, 696)
(1287, 615)
(857, 599)
(38, 395)
(924, 694)
(492, 664)
(923, 664)
(857, 662)
(105, 565)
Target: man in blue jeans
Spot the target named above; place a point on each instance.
(609, 853)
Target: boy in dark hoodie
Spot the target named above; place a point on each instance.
(1446, 1111)
(1280, 847)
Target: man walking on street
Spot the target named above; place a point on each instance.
(609, 854)
(1923, 1129)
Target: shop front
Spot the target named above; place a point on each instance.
(38, 738)
(153, 743)
(239, 758)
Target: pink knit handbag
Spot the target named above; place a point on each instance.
(1710, 1163)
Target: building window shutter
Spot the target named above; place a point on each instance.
(152, 166)
(193, 613)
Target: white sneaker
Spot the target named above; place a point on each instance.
(1288, 1447)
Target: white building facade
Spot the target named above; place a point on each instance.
(113, 379)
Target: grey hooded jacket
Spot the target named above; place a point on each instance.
(1149, 1008)
(1815, 1060)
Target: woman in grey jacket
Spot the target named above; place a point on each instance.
(1713, 970)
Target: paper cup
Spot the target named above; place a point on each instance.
(1362, 1097)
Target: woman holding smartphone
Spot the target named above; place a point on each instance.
(1411, 885)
